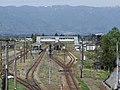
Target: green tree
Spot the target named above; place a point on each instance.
(108, 47)
(33, 36)
(43, 34)
(56, 34)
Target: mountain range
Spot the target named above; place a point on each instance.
(58, 19)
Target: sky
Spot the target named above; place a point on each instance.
(94, 3)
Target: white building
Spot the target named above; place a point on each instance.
(90, 47)
(55, 39)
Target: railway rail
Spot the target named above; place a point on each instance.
(72, 58)
(69, 75)
(30, 72)
(23, 82)
(18, 56)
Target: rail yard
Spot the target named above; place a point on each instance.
(47, 66)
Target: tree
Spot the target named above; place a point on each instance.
(33, 38)
(43, 34)
(56, 34)
(108, 48)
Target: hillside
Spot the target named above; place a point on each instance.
(58, 19)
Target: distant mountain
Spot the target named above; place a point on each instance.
(58, 19)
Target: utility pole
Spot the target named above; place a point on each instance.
(1, 58)
(26, 45)
(20, 54)
(117, 69)
(1, 81)
(49, 81)
(49, 69)
(24, 50)
(82, 58)
(96, 49)
(6, 64)
(64, 53)
(15, 75)
(50, 50)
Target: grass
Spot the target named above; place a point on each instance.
(82, 84)
(96, 74)
(19, 86)
(89, 72)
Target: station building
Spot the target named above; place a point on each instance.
(57, 39)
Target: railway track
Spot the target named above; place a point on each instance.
(21, 81)
(30, 72)
(68, 73)
(12, 56)
(19, 55)
(72, 58)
